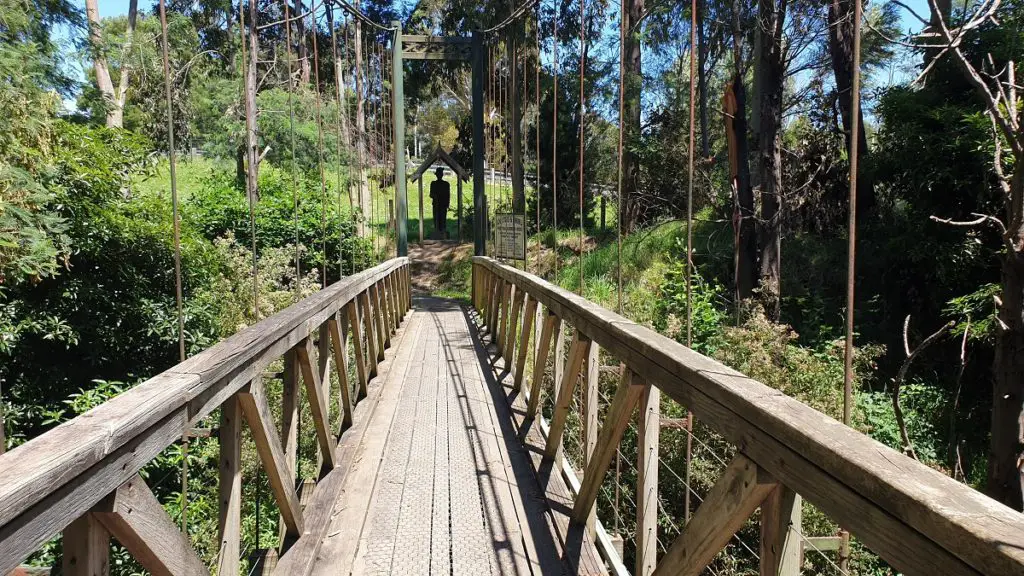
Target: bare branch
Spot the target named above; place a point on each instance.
(908, 447)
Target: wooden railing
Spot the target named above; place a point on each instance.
(82, 478)
(917, 519)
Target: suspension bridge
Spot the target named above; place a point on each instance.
(454, 448)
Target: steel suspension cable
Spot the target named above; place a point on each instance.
(554, 136)
(622, 107)
(511, 17)
(689, 229)
(583, 112)
(176, 226)
(291, 132)
(249, 76)
(339, 95)
(851, 262)
(320, 156)
(536, 87)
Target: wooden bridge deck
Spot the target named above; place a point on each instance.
(441, 483)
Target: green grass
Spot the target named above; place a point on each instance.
(190, 172)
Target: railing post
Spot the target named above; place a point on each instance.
(341, 362)
(780, 544)
(647, 481)
(383, 340)
(591, 375)
(86, 544)
(577, 356)
(513, 323)
(552, 329)
(230, 487)
(371, 344)
(290, 419)
(352, 311)
(524, 344)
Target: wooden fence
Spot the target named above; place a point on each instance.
(917, 519)
(82, 478)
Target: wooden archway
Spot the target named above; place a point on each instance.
(461, 174)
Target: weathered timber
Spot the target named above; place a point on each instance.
(552, 329)
(317, 403)
(524, 345)
(780, 541)
(230, 488)
(647, 479)
(577, 355)
(619, 414)
(352, 311)
(86, 548)
(340, 347)
(732, 500)
(134, 516)
(919, 520)
(256, 410)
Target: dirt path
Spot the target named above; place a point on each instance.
(427, 259)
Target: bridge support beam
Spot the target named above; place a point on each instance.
(479, 205)
(398, 108)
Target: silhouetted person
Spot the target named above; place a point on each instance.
(441, 194)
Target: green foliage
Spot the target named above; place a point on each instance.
(707, 304)
(220, 207)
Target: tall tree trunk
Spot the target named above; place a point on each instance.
(840, 44)
(115, 117)
(364, 184)
(632, 84)
(702, 80)
(251, 142)
(736, 127)
(770, 73)
(1005, 478)
(99, 60)
(344, 132)
(300, 35)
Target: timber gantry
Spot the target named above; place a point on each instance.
(441, 461)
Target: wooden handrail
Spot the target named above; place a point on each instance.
(916, 518)
(51, 481)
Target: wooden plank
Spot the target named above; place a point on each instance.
(134, 516)
(588, 419)
(577, 355)
(732, 500)
(352, 312)
(552, 329)
(503, 328)
(385, 307)
(383, 335)
(86, 547)
(648, 431)
(513, 322)
(105, 447)
(919, 520)
(389, 292)
(340, 348)
(300, 558)
(290, 399)
(821, 544)
(619, 414)
(371, 339)
(257, 414)
(229, 522)
(578, 549)
(317, 403)
(30, 471)
(524, 345)
(47, 517)
(780, 542)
